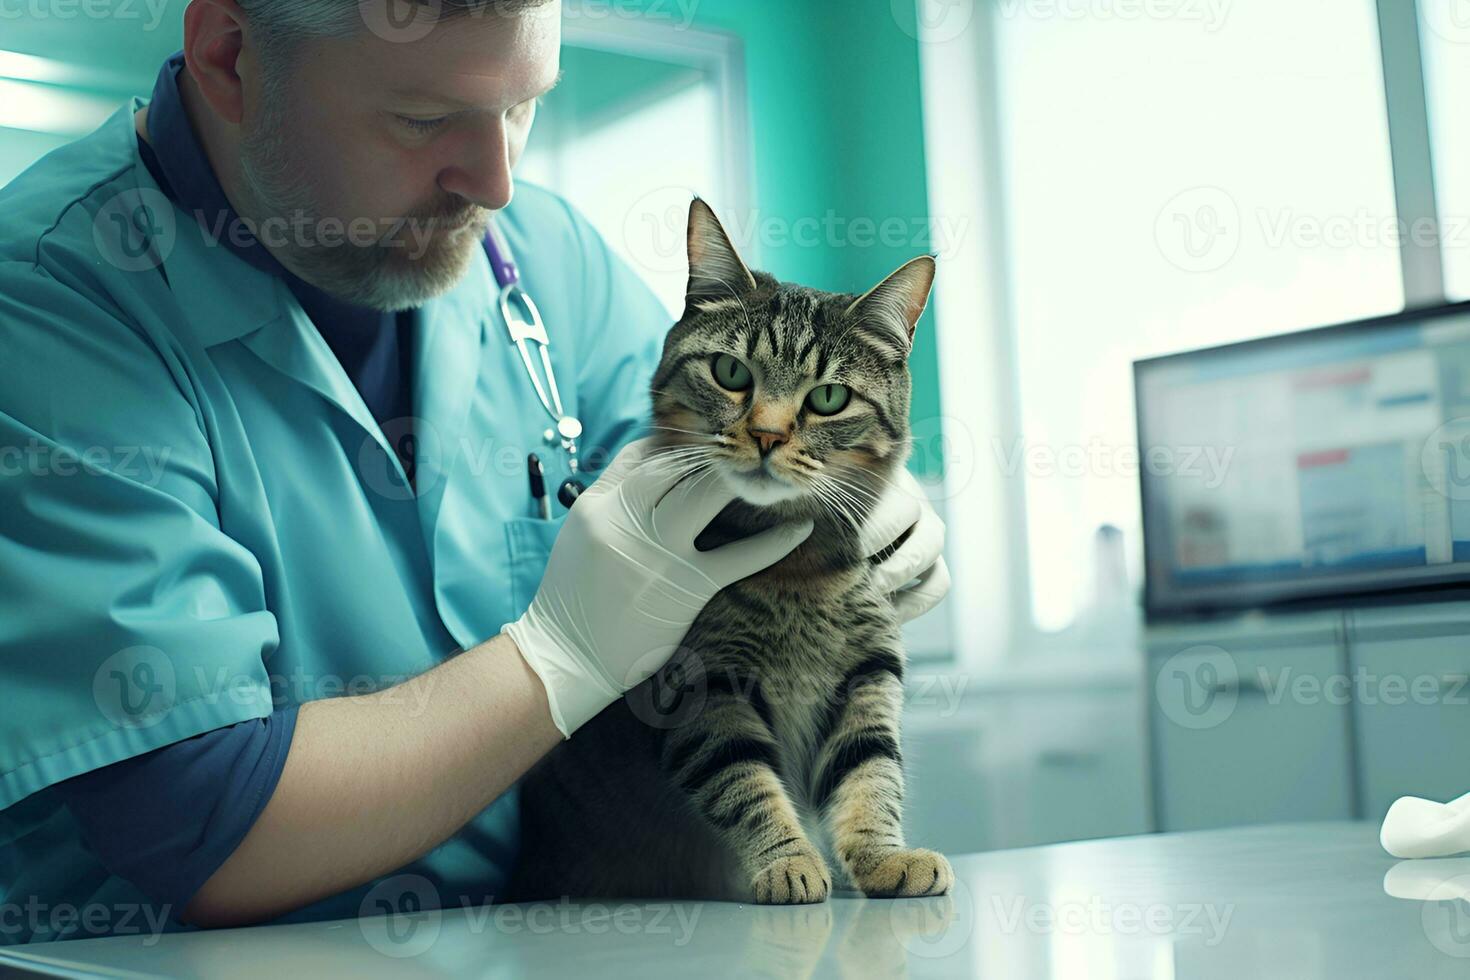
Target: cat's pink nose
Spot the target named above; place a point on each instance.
(768, 439)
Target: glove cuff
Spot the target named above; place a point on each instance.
(575, 691)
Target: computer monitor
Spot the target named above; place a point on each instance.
(1328, 463)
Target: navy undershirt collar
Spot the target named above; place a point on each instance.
(372, 346)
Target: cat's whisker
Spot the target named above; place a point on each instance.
(669, 461)
(829, 494)
(850, 467)
(680, 445)
(714, 436)
(686, 449)
(706, 471)
(866, 474)
(691, 458)
(864, 503)
(857, 508)
(863, 492)
(682, 449)
(825, 501)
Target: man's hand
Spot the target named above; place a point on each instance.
(904, 505)
(624, 581)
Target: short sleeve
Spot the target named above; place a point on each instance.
(166, 820)
(128, 620)
(625, 329)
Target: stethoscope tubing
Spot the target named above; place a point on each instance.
(523, 322)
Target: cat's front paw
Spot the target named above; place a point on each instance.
(795, 880)
(908, 874)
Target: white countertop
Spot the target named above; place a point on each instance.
(1300, 900)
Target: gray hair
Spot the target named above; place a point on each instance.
(281, 25)
(295, 20)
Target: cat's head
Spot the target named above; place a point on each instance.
(796, 398)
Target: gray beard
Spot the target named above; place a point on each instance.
(386, 277)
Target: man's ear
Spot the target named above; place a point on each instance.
(715, 268)
(889, 312)
(214, 39)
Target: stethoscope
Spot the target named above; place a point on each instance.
(523, 322)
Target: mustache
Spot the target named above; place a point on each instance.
(452, 214)
(417, 228)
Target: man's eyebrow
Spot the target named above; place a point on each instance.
(450, 100)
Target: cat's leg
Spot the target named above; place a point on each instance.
(858, 784)
(725, 760)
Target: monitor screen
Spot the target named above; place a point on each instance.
(1330, 462)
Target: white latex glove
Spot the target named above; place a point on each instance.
(903, 504)
(624, 581)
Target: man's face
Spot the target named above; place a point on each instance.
(413, 141)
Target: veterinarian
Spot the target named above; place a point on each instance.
(280, 622)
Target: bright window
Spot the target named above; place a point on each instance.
(1444, 32)
(1208, 173)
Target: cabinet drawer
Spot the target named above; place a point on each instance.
(1250, 736)
(1020, 768)
(1412, 698)
(1070, 766)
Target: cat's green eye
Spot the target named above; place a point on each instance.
(730, 373)
(828, 399)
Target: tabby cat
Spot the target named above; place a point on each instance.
(781, 711)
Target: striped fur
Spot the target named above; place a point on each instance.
(766, 756)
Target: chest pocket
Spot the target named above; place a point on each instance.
(528, 542)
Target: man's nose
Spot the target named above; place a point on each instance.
(769, 439)
(483, 175)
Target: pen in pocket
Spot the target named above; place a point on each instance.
(538, 487)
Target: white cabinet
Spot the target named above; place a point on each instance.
(1247, 723)
(1411, 694)
(1017, 767)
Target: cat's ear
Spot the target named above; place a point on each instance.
(715, 268)
(889, 312)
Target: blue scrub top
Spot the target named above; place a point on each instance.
(201, 521)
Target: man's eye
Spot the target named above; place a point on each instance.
(422, 125)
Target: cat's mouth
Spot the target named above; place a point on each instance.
(761, 485)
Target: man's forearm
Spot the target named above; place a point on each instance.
(375, 781)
